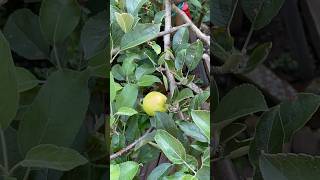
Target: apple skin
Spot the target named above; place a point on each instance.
(154, 102)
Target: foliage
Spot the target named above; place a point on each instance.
(53, 67)
(138, 68)
(276, 125)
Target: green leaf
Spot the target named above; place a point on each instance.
(180, 59)
(221, 12)
(269, 136)
(127, 96)
(239, 102)
(58, 18)
(155, 47)
(194, 55)
(144, 69)
(148, 80)
(26, 80)
(160, 171)
(139, 35)
(126, 111)
(180, 37)
(203, 173)
(184, 94)
(289, 167)
(171, 147)
(164, 121)
(261, 12)
(114, 171)
(9, 97)
(128, 170)
(133, 6)
(53, 157)
(60, 104)
(205, 158)
(231, 131)
(112, 88)
(190, 129)
(196, 3)
(258, 56)
(202, 119)
(129, 65)
(125, 21)
(198, 100)
(94, 36)
(296, 113)
(158, 17)
(24, 35)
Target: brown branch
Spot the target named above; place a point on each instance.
(194, 28)
(172, 30)
(167, 44)
(130, 146)
(206, 59)
(194, 88)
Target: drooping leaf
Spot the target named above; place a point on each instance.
(58, 18)
(127, 96)
(171, 147)
(61, 104)
(148, 80)
(190, 129)
(125, 21)
(239, 102)
(139, 35)
(53, 157)
(24, 35)
(126, 111)
(202, 119)
(9, 96)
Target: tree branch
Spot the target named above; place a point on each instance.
(199, 34)
(130, 146)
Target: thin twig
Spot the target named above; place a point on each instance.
(130, 146)
(167, 44)
(232, 14)
(172, 30)
(194, 88)
(194, 28)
